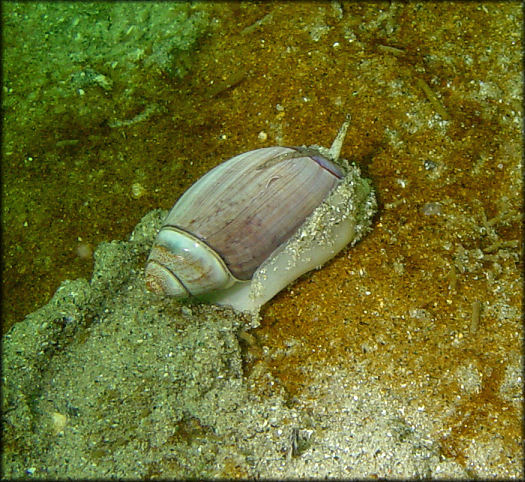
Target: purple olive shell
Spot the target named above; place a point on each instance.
(257, 222)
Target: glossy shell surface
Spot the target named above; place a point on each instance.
(248, 206)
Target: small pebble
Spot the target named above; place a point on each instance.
(429, 165)
(186, 310)
(84, 250)
(431, 209)
(137, 190)
(59, 422)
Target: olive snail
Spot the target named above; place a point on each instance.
(258, 221)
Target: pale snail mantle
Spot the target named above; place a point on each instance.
(257, 222)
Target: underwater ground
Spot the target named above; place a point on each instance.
(402, 357)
